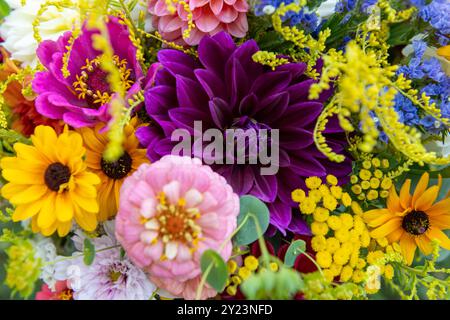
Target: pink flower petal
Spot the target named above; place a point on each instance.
(228, 14)
(216, 6)
(207, 21)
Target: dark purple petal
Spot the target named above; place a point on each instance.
(280, 215)
(299, 92)
(265, 187)
(211, 83)
(293, 138)
(189, 93)
(299, 226)
(177, 62)
(300, 114)
(220, 112)
(270, 83)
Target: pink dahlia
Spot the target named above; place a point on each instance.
(209, 17)
(170, 212)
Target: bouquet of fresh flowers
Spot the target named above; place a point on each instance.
(236, 149)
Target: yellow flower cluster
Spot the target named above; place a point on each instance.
(366, 86)
(269, 59)
(309, 49)
(371, 182)
(238, 274)
(22, 269)
(341, 239)
(337, 239)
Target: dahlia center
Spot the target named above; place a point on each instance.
(92, 84)
(55, 175)
(251, 144)
(416, 223)
(177, 223)
(118, 169)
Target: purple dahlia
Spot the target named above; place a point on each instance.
(225, 88)
(82, 99)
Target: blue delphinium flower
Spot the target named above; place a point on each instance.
(349, 5)
(406, 110)
(437, 88)
(309, 21)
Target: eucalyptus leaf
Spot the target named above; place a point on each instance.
(251, 209)
(212, 264)
(296, 248)
(89, 252)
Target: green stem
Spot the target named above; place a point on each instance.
(154, 294)
(78, 256)
(203, 281)
(209, 268)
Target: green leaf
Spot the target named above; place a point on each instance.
(217, 272)
(4, 9)
(296, 248)
(89, 252)
(251, 209)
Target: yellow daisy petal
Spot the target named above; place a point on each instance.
(426, 200)
(87, 204)
(421, 187)
(442, 221)
(395, 235)
(64, 228)
(386, 228)
(9, 190)
(424, 244)
(26, 211)
(64, 208)
(86, 221)
(30, 194)
(439, 208)
(408, 246)
(435, 233)
(405, 197)
(47, 215)
(393, 201)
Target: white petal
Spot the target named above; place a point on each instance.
(171, 250)
(193, 198)
(172, 191)
(148, 236)
(148, 208)
(152, 225)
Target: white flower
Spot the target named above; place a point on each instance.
(17, 28)
(327, 8)
(46, 251)
(109, 277)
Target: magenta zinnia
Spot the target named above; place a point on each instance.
(82, 99)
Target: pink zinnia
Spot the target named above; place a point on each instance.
(209, 17)
(61, 292)
(172, 211)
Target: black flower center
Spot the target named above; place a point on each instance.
(56, 175)
(416, 223)
(117, 169)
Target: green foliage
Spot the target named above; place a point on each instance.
(251, 209)
(280, 285)
(4, 9)
(317, 288)
(215, 269)
(296, 248)
(89, 252)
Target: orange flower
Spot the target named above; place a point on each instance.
(444, 52)
(413, 220)
(25, 116)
